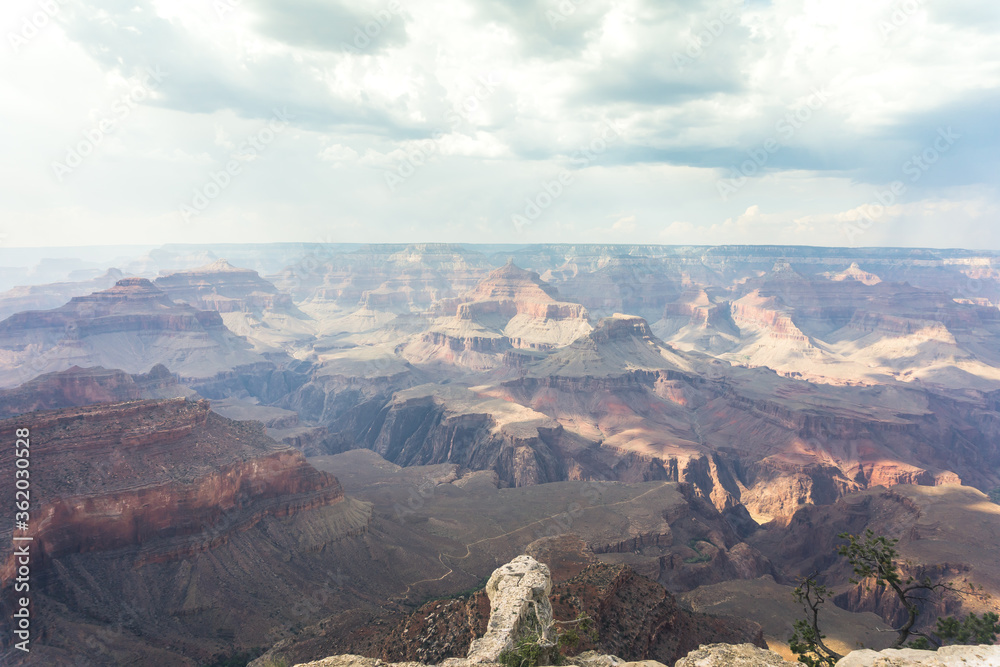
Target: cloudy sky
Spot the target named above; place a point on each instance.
(857, 122)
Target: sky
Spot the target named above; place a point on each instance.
(849, 123)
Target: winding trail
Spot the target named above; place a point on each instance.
(468, 547)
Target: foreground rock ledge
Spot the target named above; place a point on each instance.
(946, 656)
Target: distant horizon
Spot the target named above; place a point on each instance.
(133, 246)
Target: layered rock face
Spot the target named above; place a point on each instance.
(157, 472)
(224, 288)
(84, 386)
(250, 306)
(762, 380)
(53, 295)
(153, 520)
(619, 403)
(510, 308)
(132, 326)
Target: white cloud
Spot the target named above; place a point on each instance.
(515, 102)
(338, 154)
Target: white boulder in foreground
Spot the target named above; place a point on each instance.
(947, 656)
(519, 599)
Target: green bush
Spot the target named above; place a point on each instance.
(972, 629)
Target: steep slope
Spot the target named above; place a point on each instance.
(853, 327)
(140, 508)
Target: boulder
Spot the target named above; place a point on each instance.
(355, 661)
(733, 655)
(595, 659)
(946, 656)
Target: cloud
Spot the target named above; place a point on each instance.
(624, 225)
(504, 97)
(338, 154)
(332, 25)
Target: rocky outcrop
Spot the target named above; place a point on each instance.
(158, 477)
(946, 656)
(519, 605)
(756, 312)
(53, 295)
(526, 310)
(935, 540)
(632, 616)
(132, 326)
(855, 272)
(729, 655)
(84, 386)
(164, 533)
(418, 428)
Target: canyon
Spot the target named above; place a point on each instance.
(691, 418)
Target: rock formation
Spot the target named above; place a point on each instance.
(84, 386)
(224, 288)
(936, 539)
(53, 295)
(730, 655)
(510, 308)
(153, 520)
(946, 656)
(631, 616)
(519, 606)
(132, 326)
